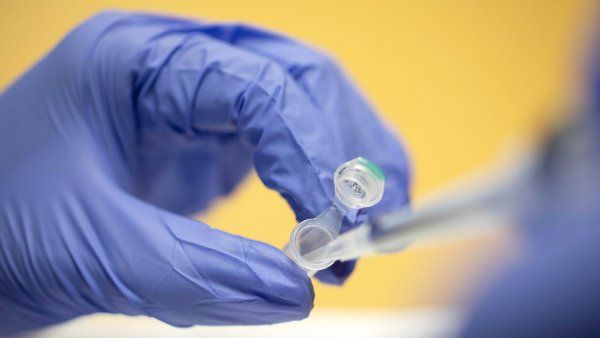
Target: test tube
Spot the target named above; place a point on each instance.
(358, 184)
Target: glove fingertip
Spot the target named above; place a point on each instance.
(219, 273)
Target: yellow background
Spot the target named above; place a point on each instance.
(456, 78)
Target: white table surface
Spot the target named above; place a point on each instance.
(417, 323)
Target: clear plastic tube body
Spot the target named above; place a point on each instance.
(358, 184)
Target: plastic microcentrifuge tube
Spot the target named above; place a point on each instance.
(358, 184)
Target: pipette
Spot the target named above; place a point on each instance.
(482, 200)
(453, 212)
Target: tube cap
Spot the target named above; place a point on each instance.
(359, 183)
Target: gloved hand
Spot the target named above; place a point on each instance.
(135, 119)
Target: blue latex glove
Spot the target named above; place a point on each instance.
(134, 120)
(552, 289)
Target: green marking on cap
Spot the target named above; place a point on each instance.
(373, 168)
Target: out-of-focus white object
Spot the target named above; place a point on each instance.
(418, 323)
